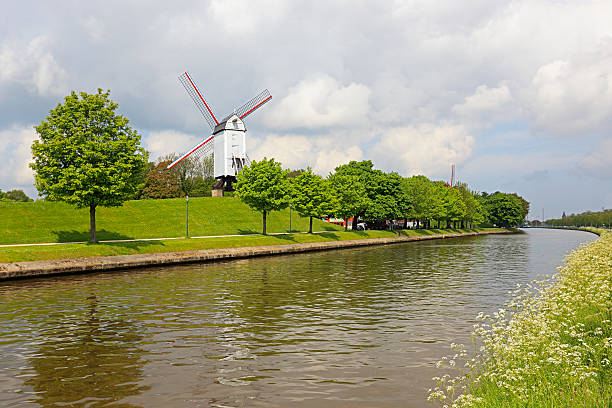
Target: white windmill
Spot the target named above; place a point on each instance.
(227, 143)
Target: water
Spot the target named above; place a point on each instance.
(349, 328)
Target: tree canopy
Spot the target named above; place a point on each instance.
(311, 195)
(264, 187)
(87, 154)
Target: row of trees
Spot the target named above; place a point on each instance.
(358, 190)
(601, 218)
(14, 195)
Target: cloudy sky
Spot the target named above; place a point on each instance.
(517, 94)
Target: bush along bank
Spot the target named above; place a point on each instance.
(551, 346)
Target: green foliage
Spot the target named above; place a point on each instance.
(191, 173)
(504, 210)
(387, 198)
(311, 195)
(88, 155)
(15, 195)
(587, 218)
(264, 187)
(420, 190)
(160, 183)
(350, 196)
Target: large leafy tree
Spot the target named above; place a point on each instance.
(88, 155)
(364, 173)
(504, 210)
(350, 196)
(263, 186)
(311, 195)
(419, 189)
(387, 198)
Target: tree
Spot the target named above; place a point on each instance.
(191, 173)
(263, 186)
(350, 197)
(88, 155)
(363, 172)
(16, 195)
(504, 210)
(311, 195)
(387, 198)
(160, 183)
(419, 189)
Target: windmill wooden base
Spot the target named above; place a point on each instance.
(225, 183)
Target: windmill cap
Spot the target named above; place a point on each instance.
(232, 122)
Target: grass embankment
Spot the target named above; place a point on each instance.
(43, 221)
(70, 251)
(551, 347)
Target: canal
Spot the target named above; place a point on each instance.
(347, 328)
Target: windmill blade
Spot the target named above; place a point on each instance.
(249, 107)
(202, 149)
(197, 97)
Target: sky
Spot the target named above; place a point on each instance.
(516, 94)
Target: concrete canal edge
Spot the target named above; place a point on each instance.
(34, 269)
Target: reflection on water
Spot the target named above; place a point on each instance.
(359, 327)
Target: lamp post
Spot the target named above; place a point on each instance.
(187, 223)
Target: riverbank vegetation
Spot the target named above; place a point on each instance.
(80, 250)
(551, 346)
(601, 218)
(384, 197)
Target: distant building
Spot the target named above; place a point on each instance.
(563, 216)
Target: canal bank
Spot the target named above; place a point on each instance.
(33, 269)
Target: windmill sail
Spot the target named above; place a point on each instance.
(249, 107)
(199, 100)
(198, 151)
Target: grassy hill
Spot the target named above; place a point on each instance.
(44, 221)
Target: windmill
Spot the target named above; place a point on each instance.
(227, 142)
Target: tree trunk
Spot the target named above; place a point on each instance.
(264, 222)
(310, 229)
(92, 224)
(345, 224)
(405, 223)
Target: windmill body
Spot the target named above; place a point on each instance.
(229, 147)
(228, 140)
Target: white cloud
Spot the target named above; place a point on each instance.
(164, 142)
(322, 153)
(16, 155)
(321, 101)
(33, 66)
(244, 16)
(574, 96)
(484, 101)
(424, 149)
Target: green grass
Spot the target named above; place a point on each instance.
(56, 222)
(550, 347)
(44, 221)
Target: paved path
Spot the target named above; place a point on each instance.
(153, 239)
